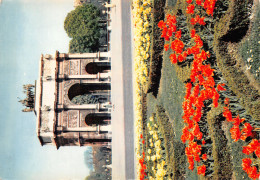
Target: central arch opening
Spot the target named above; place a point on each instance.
(89, 93)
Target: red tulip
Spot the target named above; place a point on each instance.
(173, 28)
(181, 58)
(235, 133)
(220, 87)
(197, 157)
(201, 21)
(169, 32)
(161, 24)
(173, 58)
(193, 32)
(227, 114)
(198, 2)
(252, 173)
(190, 9)
(251, 147)
(178, 34)
(201, 170)
(204, 157)
(237, 121)
(257, 152)
(226, 101)
(209, 5)
(246, 131)
(177, 46)
(171, 20)
(166, 47)
(191, 162)
(193, 21)
(246, 164)
(165, 34)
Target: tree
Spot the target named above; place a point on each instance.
(82, 24)
(82, 20)
(88, 157)
(101, 158)
(83, 44)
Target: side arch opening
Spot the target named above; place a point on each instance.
(97, 67)
(98, 119)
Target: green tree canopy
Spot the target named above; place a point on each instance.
(82, 21)
(82, 24)
(81, 44)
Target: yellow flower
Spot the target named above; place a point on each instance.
(153, 158)
(151, 132)
(148, 158)
(155, 136)
(158, 143)
(163, 163)
(151, 144)
(149, 151)
(158, 156)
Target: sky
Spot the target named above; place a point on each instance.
(29, 28)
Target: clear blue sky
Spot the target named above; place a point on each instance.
(29, 28)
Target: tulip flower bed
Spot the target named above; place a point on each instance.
(217, 133)
(201, 88)
(142, 29)
(155, 151)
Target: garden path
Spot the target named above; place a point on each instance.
(123, 156)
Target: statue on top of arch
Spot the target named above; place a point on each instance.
(28, 102)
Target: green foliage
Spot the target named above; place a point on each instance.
(82, 24)
(82, 21)
(79, 45)
(221, 151)
(175, 156)
(228, 61)
(157, 49)
(250, 47)
(89, 99)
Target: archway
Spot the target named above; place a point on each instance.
(89, 93)
(93, 119)
(97, 67)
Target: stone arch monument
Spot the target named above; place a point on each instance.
(72, 103)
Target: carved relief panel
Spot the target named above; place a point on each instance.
(73, 119)
(74, 67)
